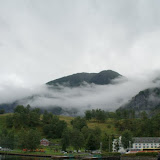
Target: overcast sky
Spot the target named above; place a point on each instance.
(41, 40)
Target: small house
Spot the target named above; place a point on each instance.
(44, 142)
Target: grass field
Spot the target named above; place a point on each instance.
(106, 127)
(2, 120)
(67, 119)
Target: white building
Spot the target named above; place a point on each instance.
(146, 142)
(139, 143)
(115, 141)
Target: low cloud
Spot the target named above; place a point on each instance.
(87, 96)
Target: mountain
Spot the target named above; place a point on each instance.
(147, 100)
(104, 77)
(8, 107)
(101, 78)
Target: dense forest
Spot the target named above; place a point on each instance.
(26, 126)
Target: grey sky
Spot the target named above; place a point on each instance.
(42, 40)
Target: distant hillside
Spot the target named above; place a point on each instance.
(147, 100)
(101, 78)
(9, 107)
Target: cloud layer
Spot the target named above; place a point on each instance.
(88, 96)
(43, 40)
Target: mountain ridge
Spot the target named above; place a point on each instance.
(102, 78)
(147, 100)
(75, 80)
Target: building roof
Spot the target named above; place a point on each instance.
(44, 139)
(146, 139)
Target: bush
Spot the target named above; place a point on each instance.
(104, 154)
(145, 154)
(151, 154)
(129, 155)
(108, 126)
(2, 111)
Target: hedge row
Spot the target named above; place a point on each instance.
(145, 154)
(110, 154)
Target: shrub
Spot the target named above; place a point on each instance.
(110, 154)
(151, 154)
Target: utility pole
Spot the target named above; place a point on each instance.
(129, 145)
(109, 143)
(101, 147)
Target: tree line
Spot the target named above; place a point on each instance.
(21, 130)
(26, 126)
